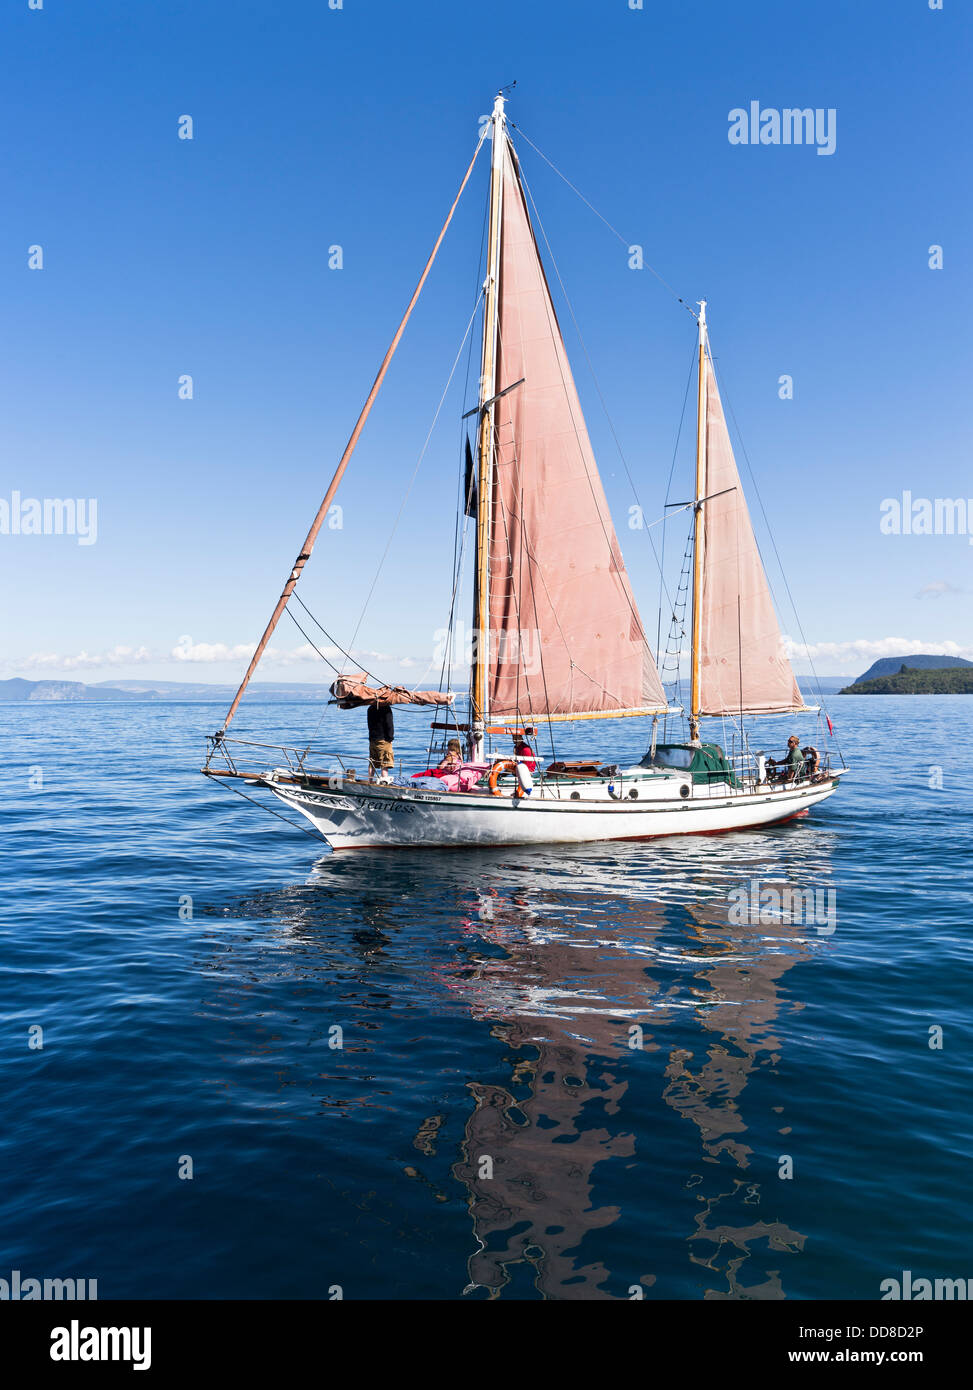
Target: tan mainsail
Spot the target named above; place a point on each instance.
(742, 665)
(565, 633)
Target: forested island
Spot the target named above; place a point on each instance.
(909, 681)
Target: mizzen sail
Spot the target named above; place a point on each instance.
(565, 635)
(742, 664)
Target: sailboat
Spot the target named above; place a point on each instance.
(559, 637)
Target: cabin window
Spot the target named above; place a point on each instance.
(679, 758)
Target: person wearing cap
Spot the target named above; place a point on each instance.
(794, 762)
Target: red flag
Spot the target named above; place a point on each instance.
(830, 725)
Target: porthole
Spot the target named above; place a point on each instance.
(683, 790)
(575, 796)
(633, 794)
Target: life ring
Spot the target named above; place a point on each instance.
(496, 772)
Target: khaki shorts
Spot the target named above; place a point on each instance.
(380, 753)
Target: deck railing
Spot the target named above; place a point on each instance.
(249, 759)
(245, 758)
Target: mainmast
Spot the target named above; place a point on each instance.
(694, 695)
(479, 693)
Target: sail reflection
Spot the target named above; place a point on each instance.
(613, 977)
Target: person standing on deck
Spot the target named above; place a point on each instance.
(381, 732)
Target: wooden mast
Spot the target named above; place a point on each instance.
(479, 684)
(698, 526)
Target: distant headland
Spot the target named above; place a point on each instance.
(892, 665)
(19, 690)
(918, 675)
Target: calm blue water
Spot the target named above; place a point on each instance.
(486, 1000)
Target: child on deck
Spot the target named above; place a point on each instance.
(453, 760)
(451, 774)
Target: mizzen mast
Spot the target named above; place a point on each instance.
(479, 692)
(694, 688)
(739, 662)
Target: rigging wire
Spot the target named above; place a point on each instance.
(773, 541)
(695, 316)
(388, 545)
(312, 535)
(672, 469)
(377, 679)
(462, 528)
(629, 597)
(671, 661)
(269, 809)
(516, 589)
(547, 698)
(604, 405)
(415, 471)
(614, 230)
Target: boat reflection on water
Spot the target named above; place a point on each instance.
(612, 975)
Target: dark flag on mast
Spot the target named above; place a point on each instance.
(469, 485)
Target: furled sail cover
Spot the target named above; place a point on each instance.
(565, 632)
(351, 692)
(737, 618)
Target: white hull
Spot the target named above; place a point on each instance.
(359, 816)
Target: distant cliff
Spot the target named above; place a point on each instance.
(892, 665)
(907, 681)
(18, 689)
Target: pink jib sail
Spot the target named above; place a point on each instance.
(565, 632)
(742, 662)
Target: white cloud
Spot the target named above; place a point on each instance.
(82, 661)
(186, 650)
(866, 650)
(937, 589)
(830, 658)
(189, 653)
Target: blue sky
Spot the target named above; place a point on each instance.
(316, 127)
